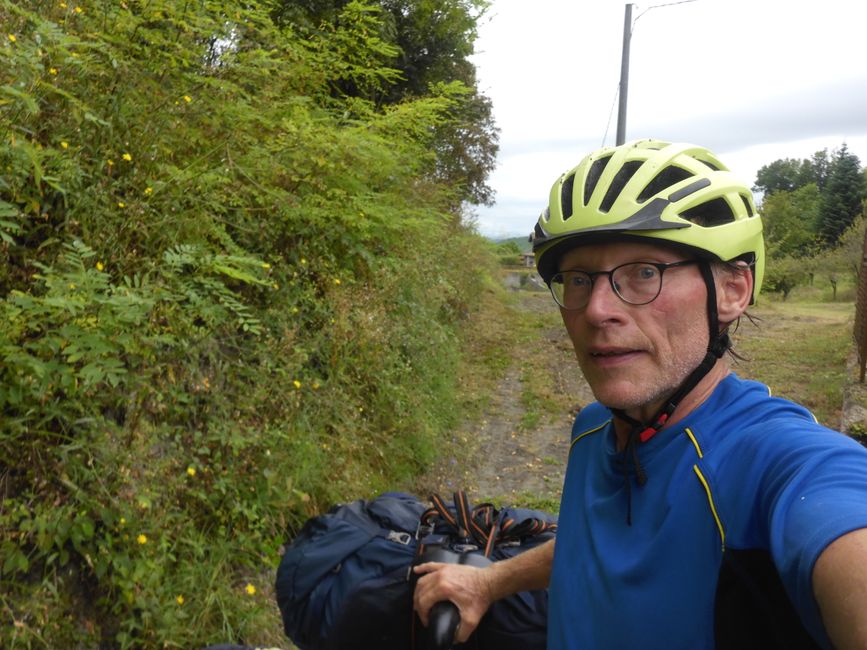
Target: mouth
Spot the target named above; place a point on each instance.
(611, 356)
(612, 352)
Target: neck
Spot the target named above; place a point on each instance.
(687, 405)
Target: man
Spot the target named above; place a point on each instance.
(697, 510)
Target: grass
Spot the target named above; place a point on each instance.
(800, 349)
(540, 395)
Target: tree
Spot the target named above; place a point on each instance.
(784, 274)
(789, 220)
(789, 174)
(815, 170)
(841, 200)
(432, 41)
(779, 176)
(851, 246)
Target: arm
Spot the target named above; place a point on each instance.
(840, 587)
(473, 590)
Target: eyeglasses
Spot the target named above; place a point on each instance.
(635, 283)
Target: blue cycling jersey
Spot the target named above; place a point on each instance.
(743, 473)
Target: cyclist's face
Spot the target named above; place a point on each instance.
(633, 356)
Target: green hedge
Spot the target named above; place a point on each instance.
(230, 297)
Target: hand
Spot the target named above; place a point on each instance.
(466, 586)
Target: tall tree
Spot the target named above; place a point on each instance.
(781, 175)
(789, 220)
(432, 41)
(815, 169)
(788, 174)
(841, 200)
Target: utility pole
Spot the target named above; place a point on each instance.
(624, 64)
(624, 77)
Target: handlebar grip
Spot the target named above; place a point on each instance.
(444, 619)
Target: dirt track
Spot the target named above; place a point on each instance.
(507, 461)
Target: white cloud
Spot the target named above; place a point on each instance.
(754, 81)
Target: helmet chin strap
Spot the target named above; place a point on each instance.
(718, 343)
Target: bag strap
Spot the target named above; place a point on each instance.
(483, 524)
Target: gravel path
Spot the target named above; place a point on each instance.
(504, 460)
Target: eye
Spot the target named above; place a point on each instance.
(646, 272)
(578, 280)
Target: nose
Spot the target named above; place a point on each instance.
(604, 303)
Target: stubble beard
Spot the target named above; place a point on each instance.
(642, 394)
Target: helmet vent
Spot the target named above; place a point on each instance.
(711, 165)
(620, 180)
(713, 213)
(748, 205)
(566, 196)
(662, 181)
(593, 175)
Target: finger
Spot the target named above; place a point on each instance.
(422, 610)
(462, 634)
(427, 567)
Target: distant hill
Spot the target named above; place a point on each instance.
(522, 243)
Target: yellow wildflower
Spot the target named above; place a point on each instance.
(142, 539)
(336, 280)
(191, 471)
(65, 145)
(127, 157)
(109, 162)
(121, 204)
(297, 384)
(123, 521)
(180, 599)
(303, 262)
(188, 99)
(100, 266)
(78, 10)
(265, 265)
(12, 38)
(250, 589)
(52, 70)
(71, 286)
(63, 5)
(148, 191)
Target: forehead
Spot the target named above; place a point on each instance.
(610, 254)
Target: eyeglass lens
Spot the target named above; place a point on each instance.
(636, 283)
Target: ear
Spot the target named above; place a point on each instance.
(734, 288)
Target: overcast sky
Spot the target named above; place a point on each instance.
(753, 80)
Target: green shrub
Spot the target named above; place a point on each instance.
(230, 297)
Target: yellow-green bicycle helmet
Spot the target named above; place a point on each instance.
(678, 193)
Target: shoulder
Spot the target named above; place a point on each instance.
(742, 414)
(591, 422)
(751, 402)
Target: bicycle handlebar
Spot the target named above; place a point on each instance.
(444, 616)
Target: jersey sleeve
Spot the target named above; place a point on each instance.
(813, 491)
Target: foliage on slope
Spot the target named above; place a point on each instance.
(230, 296)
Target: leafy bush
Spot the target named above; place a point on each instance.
(230, 298)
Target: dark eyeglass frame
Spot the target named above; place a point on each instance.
(592, 275)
